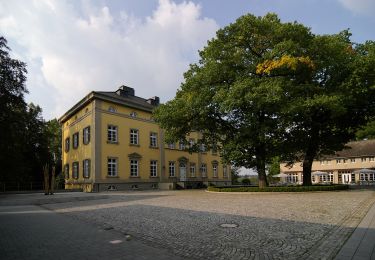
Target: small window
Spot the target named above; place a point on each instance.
(75, 172)
(344, 160)
(66, 171)
(182, 145)
(133, 168)
(154, 186)
(153, 140)
(133, 114)
(338, 161)
(191, 143)
(363, 159)
(371, 159)
(67, 144)
(112, 167)
(204, 170)
(86, 135)
(352, 160)
(203, 148)
(135, 187)
(75, 140)
(86, 168)
(171, 146)
(112, 109)
(112, 187)
(192, 170)
(172, 169)
(153, 168)
(112, 134)
(134, 134)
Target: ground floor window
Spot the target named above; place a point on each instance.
(75, 170)
(153, 168)
(292, 178)
(225, 173)
(134, 168)
(367, 177)
(86, 168)
(214, 170)
(172, 169)
(66, 171)
(192, 170)
(112, 167)
(204, 170)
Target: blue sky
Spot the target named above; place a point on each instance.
(74, 47)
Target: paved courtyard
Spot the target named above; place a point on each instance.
(189, 224)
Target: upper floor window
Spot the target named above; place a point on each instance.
(67, 144)
(192, 169)
(171, 146)
(75, 170)
(204, 170)
(86, 135)
(133, 168)
(112, 109)
(112, 167)
(153, 168)
(203, 148)
(182, 145)
(191, 143)
(153, 139)
(112, 134)
(371, 159)
(75, 140)
(134, 136)
(338, 161)
(133, 114)
(352, 160)
(363, 159)
(86, 168)
(172, 169)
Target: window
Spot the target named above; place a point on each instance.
(86, 168)
(182, 145)
(172, 169)
(204, 170)
(214, 170)
(191, 143)
(322, 162)
(225, 173)
(112, 167)
(153, 168)
(75, 170)
(171, 146)
(112, 134)
(134, 136)
(338, 161)
(352, 160)
(133, 168)
(67, 144)
(214, 149)
(363, 159)
(192, 169)
(86, 135)
(66, 171)
(153, 139)
(133, 114)
(112, 109)
(75, 140)
(203, 148)
(371, 159)
(344, 160)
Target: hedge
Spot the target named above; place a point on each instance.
(280, 188)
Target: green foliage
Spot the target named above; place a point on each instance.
(280, 188)
(367, 131)
(246, 181)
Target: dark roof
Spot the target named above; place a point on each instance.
(357, 149)
(128, 100)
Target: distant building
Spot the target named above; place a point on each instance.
(349, 166)
(111, 142)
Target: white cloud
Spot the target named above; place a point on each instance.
(366, 7)
(69, 55)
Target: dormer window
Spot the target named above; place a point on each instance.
(133, 114)
(112, 109)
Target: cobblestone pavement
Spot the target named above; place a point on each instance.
(267, 225)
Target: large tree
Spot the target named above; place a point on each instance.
(231, 99)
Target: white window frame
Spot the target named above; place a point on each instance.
(112, 167)
(172, 169)
(154, 168)
(134, 168)
(204, 170)
(214, 170)
(171, 146)
(191, 142)
(181, 145)
(192, 170)
(134, 136)
(153, 139)
(112, 134)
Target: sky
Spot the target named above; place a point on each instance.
(74, 47)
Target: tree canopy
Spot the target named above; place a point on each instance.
(264, 88)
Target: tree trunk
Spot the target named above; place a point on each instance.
(261, 167)
(307, 165)
(46, 179)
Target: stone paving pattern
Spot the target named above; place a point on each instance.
(270, 225)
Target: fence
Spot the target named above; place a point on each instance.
(26, 186)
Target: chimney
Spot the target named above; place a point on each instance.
(125, 91)
(155, 101)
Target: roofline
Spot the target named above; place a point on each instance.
(95, 95)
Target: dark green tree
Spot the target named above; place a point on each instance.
(367, 131)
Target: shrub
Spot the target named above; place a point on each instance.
(281, 189)
(246, 181)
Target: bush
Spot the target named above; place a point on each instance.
(246, 181)
(281, 189)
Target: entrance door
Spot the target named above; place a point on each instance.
(346, 178)
(182, 172)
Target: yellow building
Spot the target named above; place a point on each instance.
(353, 165)
(111, 142)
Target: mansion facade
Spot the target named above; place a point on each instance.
(352, 165)
(111, 142)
